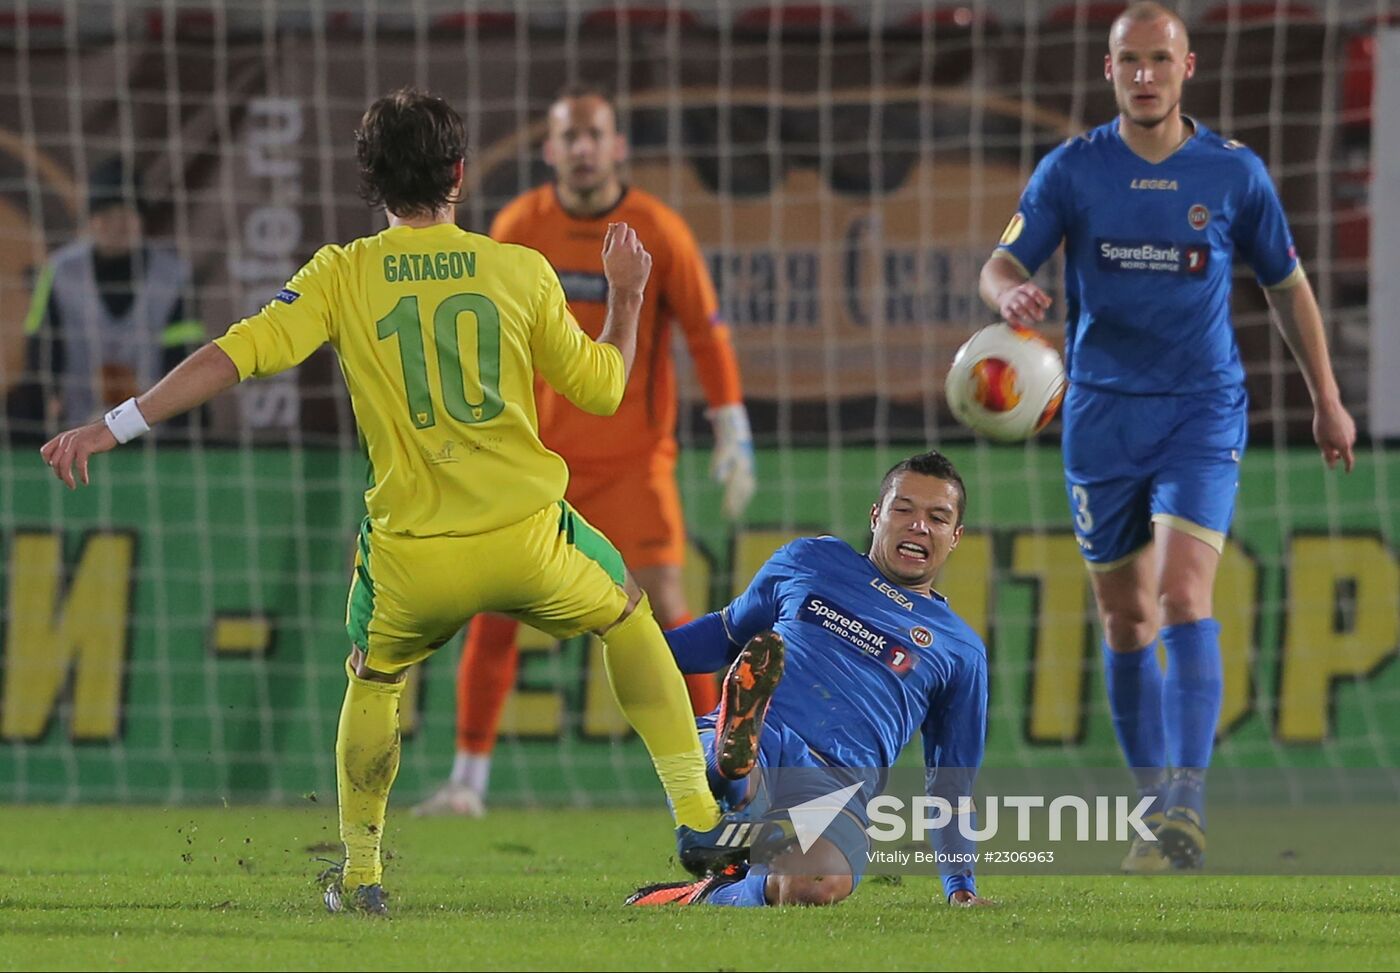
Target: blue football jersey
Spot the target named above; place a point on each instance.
(1149, 250)
(868, 662)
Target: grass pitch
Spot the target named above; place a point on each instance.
(232, 888)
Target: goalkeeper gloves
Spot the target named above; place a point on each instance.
(732, 462)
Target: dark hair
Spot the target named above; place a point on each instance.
(932, 463)
(114, 183)
(407, 143)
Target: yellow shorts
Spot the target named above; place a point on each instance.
(552, 571)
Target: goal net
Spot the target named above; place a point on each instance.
(175, 631)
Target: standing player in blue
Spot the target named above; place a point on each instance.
(835, 659)
(1153, 209)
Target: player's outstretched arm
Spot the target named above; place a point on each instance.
(1300, 322)
(1006, 289)
(627, 265)
(687, 290)
(702, 645)
(955, 734)
(190, 384)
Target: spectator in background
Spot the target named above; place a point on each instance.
(111, 312)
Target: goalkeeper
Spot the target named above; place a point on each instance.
(439, 333)
(623, 467)
(871, 653)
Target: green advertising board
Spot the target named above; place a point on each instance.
(175, 632)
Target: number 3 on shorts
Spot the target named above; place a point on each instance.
(1083, 519)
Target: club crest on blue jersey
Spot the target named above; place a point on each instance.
(1122, 227)
(855, 632)
(922, 637)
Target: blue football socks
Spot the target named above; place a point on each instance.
(1190, 709)
(1134, 681)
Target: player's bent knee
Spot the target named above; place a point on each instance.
(1184, 598)
(360, 663)
(1183, 605)
(635, 594)
(1128, 612)
(1129, 631)
(819, 876)
(811, 889)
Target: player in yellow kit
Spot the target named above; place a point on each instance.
(439, 334)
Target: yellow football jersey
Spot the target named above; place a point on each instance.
(439, 333)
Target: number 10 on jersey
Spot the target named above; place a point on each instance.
(405, 322)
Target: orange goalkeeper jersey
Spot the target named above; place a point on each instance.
(679, 291)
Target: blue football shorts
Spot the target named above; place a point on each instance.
(788, 773)
(1135, 460)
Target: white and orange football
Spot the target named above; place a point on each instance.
(1005, 383)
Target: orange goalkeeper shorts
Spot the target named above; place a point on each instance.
(636, 506)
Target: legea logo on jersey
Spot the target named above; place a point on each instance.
(892, 593)
(851, 629)
(1164, 184)
(1151, 256)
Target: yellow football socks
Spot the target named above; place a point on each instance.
(366, 763)
(651, 692)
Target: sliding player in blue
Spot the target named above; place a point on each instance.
(1153, 210)
(835, 659)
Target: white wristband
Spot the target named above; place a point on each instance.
(126, 421)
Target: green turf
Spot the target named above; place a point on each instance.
(200, 888)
